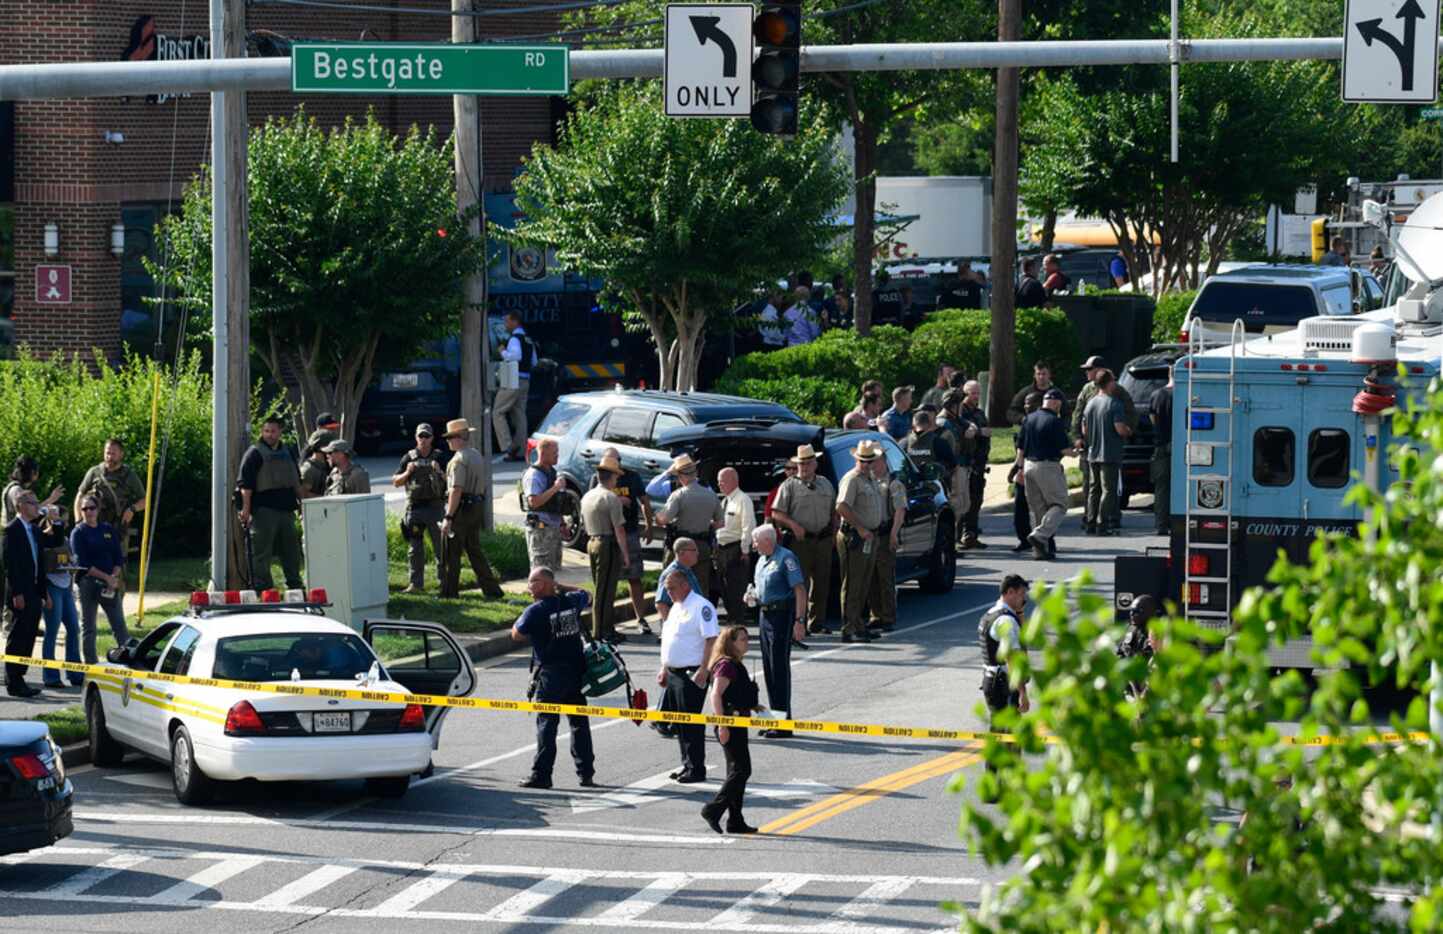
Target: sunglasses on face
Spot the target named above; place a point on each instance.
(89, 508)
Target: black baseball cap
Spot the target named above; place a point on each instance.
(1053, 393)
(327, 420)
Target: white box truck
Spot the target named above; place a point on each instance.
(953, 216)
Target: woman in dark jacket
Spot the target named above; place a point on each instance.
(733, 693)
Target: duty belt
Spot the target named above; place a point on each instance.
(777, 604)
(684, 672)
(470, 499)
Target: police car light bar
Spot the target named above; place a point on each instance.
(215, 600)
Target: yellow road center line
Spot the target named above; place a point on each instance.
(870, 787)
(877, 788)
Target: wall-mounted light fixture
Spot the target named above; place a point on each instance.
(52, 239)
(117, 239)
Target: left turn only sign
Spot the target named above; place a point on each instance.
(708, 59)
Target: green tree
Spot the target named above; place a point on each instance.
(1124, 812)
(682, 218)
(356, 255)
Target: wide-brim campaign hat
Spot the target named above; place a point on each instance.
(457, 427)
(805, 453)
(867, 451)
(683, 464)
(610, 464)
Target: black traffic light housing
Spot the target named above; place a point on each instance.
(776, 72)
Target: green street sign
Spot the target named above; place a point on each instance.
(1433, 113)
(428, 68)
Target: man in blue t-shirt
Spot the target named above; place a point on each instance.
(553, 627)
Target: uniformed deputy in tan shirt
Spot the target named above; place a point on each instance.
(804, 505)
(605, 523)
(691, 511)
(860, 507)
(882, 599)
(465, 514)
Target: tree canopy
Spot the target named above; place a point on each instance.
(682, 218)
(357, 254)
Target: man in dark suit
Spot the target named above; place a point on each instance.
(25, 577)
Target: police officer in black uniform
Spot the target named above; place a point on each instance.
(422, 472)
(553, 627)
(270, 491)
(999, 631)
(1139, 640)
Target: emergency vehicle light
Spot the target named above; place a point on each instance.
(317, 595)
(1201, 421)
(199, 598)
(1197, 564)
(271, 596)
(248, 597)
(295, 596)
(232, 597)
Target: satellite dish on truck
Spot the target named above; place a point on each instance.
(1420, 242)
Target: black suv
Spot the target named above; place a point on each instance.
(1142, 377)
(757, 452)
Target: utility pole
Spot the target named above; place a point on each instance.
(230, 306)
(1004, 224)
(475, 341)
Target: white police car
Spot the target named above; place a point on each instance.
(212, 734)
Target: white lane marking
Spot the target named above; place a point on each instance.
(520, 751)
(645, 899)
(643, 792)
(520, 905)
(877, 895)
(247, 820)
(206, 879)
(308, 884)
(143, 779)
(434, 883)
(92, 876)
(768, 896)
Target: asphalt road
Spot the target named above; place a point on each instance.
(858, 835)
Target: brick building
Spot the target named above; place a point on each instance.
(83, 182)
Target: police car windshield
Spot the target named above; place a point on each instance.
(272, 657)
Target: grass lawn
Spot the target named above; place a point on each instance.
(1004, 446)
(66, 726)
(171, 575)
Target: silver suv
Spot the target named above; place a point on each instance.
(1269, 299)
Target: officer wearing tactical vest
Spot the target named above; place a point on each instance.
(542, 497)
(859, 506)
(553, 627)
(422, 472)
(346, 476)
(465, 515)
(926, 445)
(316, 469)
(116, 488)
(999, 633)
(971, 411)
(694, 512)
(804, 507)
(270, 489)
(606, 546)
(961, 433)
(882, 597)
(509, 411)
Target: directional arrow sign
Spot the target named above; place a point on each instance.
(1390, 52)
(708, 63)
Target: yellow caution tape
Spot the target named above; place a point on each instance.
(617, 713)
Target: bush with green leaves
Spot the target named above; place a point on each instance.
(1167, 320)
(62, 412)
(1125, 812)
(821, 381)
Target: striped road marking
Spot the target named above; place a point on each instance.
(865, 905)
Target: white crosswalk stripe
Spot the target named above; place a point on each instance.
(542, 902)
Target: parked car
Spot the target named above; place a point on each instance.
(758, 450)
(633, 420)
(1269, 299)
(402, 399)
(207, 735)
(1142, 377)
(36, 798)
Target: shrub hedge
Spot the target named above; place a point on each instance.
(1167, 320)
(820, 380)
(61, 413)
(505, 548)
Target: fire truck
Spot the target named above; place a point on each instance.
(1271, 431)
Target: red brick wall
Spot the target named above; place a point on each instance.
(67, 174)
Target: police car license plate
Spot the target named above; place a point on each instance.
(332, 722)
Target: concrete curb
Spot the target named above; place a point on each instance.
(75, 755)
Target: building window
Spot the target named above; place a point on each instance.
(1273, 456)
(1329, 457)
(141, 318)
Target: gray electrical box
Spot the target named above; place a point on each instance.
(345, 540)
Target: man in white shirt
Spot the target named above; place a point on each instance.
(687, 636)
(733, 540)
(769, 324)
(801, 321)
(509, 411)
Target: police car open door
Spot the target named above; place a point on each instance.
(424, 658)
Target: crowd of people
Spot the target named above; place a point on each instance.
(52, 561)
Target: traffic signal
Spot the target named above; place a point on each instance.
(778, 31)
(1320, 237)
